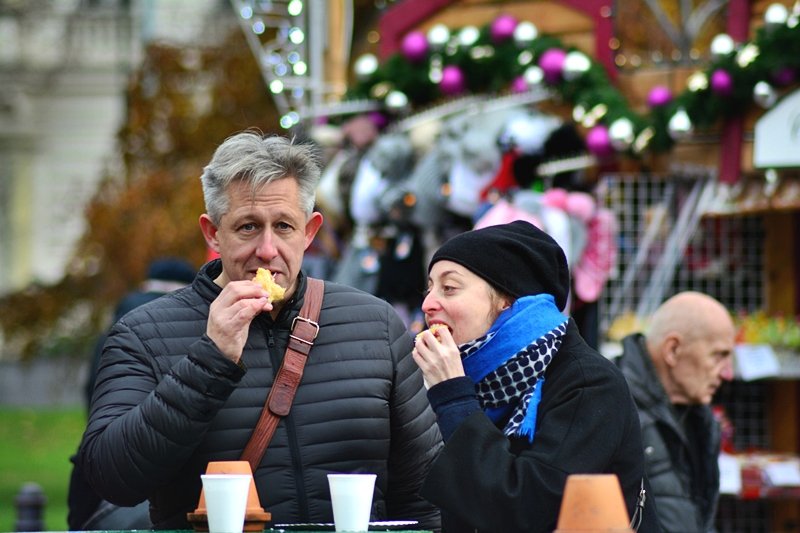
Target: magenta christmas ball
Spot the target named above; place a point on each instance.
(414, 46)
(552, 64)
(519, 85)
(598, 141)
(503, 28)
(659, 96)
(784, 76)
(721, 82)
(453, 81)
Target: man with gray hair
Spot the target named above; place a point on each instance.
(183, 379)
(673, 371)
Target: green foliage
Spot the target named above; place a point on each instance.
(182, 103)
(35, 447)
(778, 50)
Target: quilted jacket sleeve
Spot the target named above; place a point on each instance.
(416, 440)
(145, 421)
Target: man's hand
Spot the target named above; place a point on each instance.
(231, 313)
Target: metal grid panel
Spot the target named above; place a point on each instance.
(665, 246)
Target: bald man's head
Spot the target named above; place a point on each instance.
(691, 340)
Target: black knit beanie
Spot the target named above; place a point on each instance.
(517, 258)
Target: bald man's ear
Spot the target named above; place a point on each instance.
(670, 346)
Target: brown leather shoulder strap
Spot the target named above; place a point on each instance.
(279, 400)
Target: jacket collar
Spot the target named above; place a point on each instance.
(208, 290)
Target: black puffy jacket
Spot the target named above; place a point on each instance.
(686, 495)
(167, 402)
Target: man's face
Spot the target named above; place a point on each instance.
(268, 229)
(702, 365)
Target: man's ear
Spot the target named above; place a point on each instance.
(209, 230)
(670, 346)
(312, 227)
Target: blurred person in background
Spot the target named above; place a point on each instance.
(87, 510)
(673, 371)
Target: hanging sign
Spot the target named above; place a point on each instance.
(777, 135)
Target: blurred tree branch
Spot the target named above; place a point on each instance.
(181, 104)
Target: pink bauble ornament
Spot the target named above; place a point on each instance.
(503, 28)
(784, 76)
(721, 82)
(379, 119)
(519, 85)
(659, 96)
(552, 64)
(414, 46)
(598, 142)
(452, 80)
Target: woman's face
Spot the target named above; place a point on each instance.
(461, 300)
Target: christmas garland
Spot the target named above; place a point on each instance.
(509, 56)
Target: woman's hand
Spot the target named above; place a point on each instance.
(439, 359)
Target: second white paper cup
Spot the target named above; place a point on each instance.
(351, 496)
(226, 501)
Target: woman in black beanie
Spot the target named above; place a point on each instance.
(521, 400)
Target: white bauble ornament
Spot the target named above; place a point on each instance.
(468, 36)
(621, 133)
(722, 45)
(525, 33)
(438, 36)
(534, 76)
(776, 15)
(575, 65)
(396, 101)
(764, 94)
(365, 66)
(697, 82)
(680, 125)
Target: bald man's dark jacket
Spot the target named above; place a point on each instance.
(681, 446)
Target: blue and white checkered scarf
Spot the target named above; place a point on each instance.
(507, 364)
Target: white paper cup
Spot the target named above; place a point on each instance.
(226, 501)
(351, 496)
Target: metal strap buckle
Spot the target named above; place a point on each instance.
(309, 321)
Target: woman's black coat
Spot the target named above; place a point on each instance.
(587, 423)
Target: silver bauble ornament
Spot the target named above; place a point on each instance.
(621, 133)
(722, 45)
(365, 66)
(764, 94)
(575, 65)
(680, 125)
(525, 33)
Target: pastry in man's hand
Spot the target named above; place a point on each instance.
(435, 329)
(265, 278)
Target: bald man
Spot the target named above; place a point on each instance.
(673, 371)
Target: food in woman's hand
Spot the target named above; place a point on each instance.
(435, 329)
(265, 278)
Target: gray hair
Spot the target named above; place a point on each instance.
(257, 159)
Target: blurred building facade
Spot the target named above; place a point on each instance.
(64, 66)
